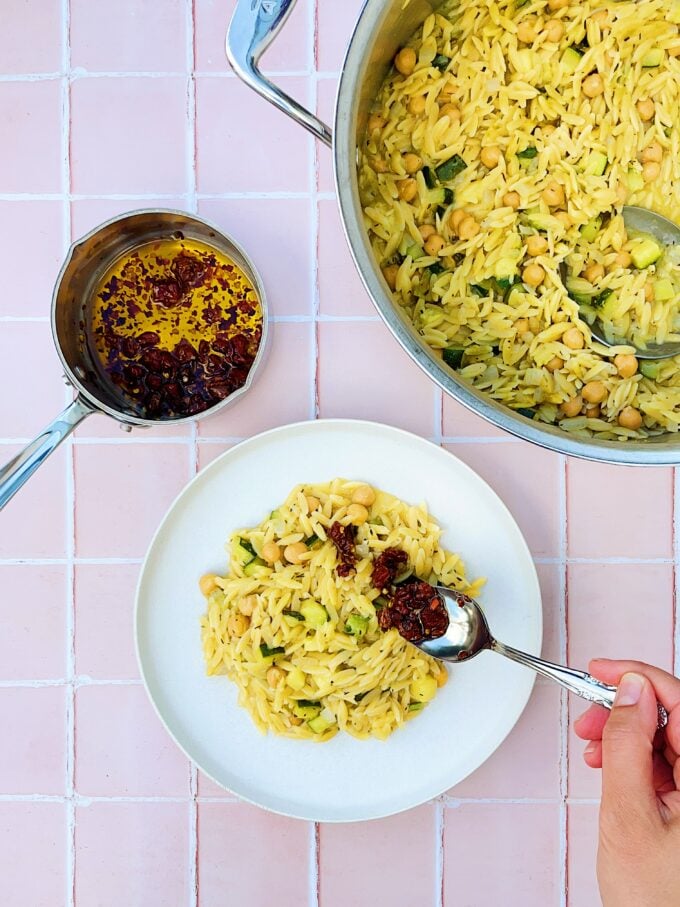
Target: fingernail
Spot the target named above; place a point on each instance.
(592, 746)
(630, 689)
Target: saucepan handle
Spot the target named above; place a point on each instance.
(21, 468)
(253, 27)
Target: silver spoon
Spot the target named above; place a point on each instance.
(468, 634)
(666, 233)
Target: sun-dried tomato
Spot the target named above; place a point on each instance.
(166, 292)
(190, 271)
(386, 566)
(417, 611)
(343, 537)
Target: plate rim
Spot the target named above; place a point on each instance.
(310, 424)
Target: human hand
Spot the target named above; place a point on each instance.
(638, 860)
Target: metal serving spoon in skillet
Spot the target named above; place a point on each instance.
(468, 634)
(641, 220)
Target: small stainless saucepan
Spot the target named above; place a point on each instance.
(86, 262)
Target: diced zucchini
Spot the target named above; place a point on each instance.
(590, 230)
(571, 58)
(505, 272)
(255, 564)
(527, 154)
(580, 290)
(270, 651)
(295, 615)
(416, 706)
(429, 178)
(451, 168)
(435, 268)
(441, 61)
(596, 163)
(306, 709)
(645, 251)
(356, 625)
(635, 180)
(653, 57)
(540, 221)
(664, 290)
(242, 555)
(423, 689)
(436, 197)
(650, 368)
(453, 356)
(319, 724)
(597, 302)
(380, 602)
(479, 290)
(275, 515)
(414, 250)
(311, 540)
(314, 613)
(526, 411)
(295, 679)
(515, 290)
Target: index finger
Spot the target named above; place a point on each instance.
(666, 686)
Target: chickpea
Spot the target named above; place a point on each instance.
(379, 165)
(553, 194)
(629, 417)
(447, 89)
(412, 162)
(649, 291)
(593, 412)
(651, 171)
(426, 231)
(522, 325)
(646, 109)
(511, 200)
(623, 259)
(572, 407)
(547, 130)
(526, 31)
(626, 364)
(271, 552)
(357, 513)
(274, 676)
(237, 624)
(407, 189)
(247, 605)
(434, 244)
(468, 227)
(564, 219)
(555, 364)
(653, 152)
(534, 324)
(451, 111)
(364, 495)
(405, 61)
(554, 5)
(574, 339)
(594, 272)
(207, 583)
(594, 392)
(536, 245)
(313, 503)
(417, 104)
(456, 218)
(592, 85)
(602, 18)
(490, 156)
(390, 274)
(534, 275)
(554, 30)
(442, 677)
(375, 122)
(295, 553)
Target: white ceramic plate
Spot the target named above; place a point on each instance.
(344, 779)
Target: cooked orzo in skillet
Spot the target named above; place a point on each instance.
(303, 623)
(506, 140)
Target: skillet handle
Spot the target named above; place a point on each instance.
(22, 467)
(253, 27)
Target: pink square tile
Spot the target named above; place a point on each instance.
(234, 837)
(604, 605)
(132, 854)
(282, 391)
(341, 291)
(527, 763)
(33, 847)
(290, 52)
(107, 37)
(104, 603)
(30, 151)
(501, 853)
(41, 257)
(127, 488)
(325, 108)
(33, 619)
(598, 496)
(460, 422)
(582, 850)
(209, 451)
(34, 522)
(33, 751)
(389, 861)
(335, 23)
(146, 155)
(31, 36)
(527, 480)
(350, 385)
(277, 234)
(554, 631)
(208, 788)
(276, 155)
(88, 213)
(26, 348)
(122, 749)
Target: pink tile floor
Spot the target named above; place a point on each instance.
(107, 107)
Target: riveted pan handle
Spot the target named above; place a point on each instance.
(253, 27)
(20, 469)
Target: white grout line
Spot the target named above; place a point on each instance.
(564, 703)
(79, 73)
(676, 577)
(313, 868)
(439, 852)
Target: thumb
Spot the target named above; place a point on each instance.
(627, 753)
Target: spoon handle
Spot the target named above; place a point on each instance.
(579, 682)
